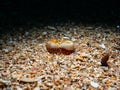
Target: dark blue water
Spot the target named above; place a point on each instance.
(29, 13)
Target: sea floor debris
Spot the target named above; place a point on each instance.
(25, 63)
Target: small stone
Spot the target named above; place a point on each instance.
(5, 50)
(28, 80)
(103, 46)
(51, 28)
(36, 88)
(112, 88)
(99, 35)
(44, 33)
(26, 33)
(89, 28)
(19, 37)
(79, 58)
(118, 26)
(18, 88)
(94, 84)
(65, 37)
(85, 55)
(73, 39)
(8, 88)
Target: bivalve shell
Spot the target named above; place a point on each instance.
(67, 47)
(52, 46)
(60, 46)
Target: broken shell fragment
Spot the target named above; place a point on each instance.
(3, 82)
(28, 80)
(60, 46)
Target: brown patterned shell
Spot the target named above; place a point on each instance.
(60, 46)
(52, 46)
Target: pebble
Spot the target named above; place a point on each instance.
(19, 37)
(18, 88)
(44, 33)
(26, 33)
(68, 32)
(8, 88)
(5, 50)
(66, 38)
(103, 46)
(112, 88)
(104, 80)
(36, 88)
(99, 35)
(52, 28)
(23, 56)
(94, 84)
(73, 39)
(118, 26)
(10, 42)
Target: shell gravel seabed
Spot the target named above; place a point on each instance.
(25, 63)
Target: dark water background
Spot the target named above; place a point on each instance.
(29, 13)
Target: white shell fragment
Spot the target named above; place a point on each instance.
(44, 33)
(4, 81)
(103, 46)
(94, 84)
(18, 88)
(5, 50)
(51, 28)
(28, 79)
(36, 88)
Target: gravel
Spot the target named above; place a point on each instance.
(27, 65)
